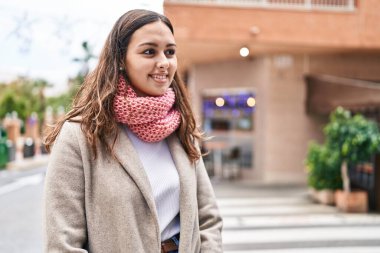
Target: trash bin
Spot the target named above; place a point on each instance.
(11, 151)
(29, 148)
(3, 133)
(3, 153)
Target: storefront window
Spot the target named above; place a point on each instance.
(229, 112)
(228, 116)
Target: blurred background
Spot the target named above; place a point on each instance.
(288, 89)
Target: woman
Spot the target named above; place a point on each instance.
(125, 173)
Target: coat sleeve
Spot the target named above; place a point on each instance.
(210, 221)
(64, 209)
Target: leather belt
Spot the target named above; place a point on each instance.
(169, 245)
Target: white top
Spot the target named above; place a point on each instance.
(164, 181)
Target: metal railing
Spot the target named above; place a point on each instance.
(364, 176)
(327, 5)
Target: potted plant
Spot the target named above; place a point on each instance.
(323, 167)
(355, 139)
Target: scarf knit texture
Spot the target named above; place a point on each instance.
(152, 119)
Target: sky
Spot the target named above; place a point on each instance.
(40, 38)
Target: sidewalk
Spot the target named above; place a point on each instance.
(225, 188)
(23, 167)
(22, 164)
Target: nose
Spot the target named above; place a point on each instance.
(162, 62)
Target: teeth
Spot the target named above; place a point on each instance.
(161, 77)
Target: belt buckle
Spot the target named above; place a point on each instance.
(168, 245)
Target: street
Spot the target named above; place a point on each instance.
(21, 212)
(281, 219)
(259, 219)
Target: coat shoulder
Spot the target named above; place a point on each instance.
(70, 135)
(71, 128)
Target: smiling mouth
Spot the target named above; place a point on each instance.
(159, 78)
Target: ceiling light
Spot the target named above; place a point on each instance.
(251, 102)
(244, 51)
(219, 102)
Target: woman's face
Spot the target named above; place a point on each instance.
(151, 60)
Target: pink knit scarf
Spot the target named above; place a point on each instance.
(152, 119)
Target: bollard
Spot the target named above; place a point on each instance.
(29, 148)
(11, 151)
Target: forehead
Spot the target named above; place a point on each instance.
(157, 32)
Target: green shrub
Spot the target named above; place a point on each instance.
(323, 166)
(348, 140)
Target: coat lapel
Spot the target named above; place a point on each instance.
(130, 161)
(188, 186)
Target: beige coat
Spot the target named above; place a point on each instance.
(103, 206)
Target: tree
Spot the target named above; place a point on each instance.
(63, 100)
(24, 96)
(355, 139)
(85, 60)
(10, 102)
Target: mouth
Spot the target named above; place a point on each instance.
(160, 78)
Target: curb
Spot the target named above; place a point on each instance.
(28, 163)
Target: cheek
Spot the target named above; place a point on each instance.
(136, 71)
(174, 65)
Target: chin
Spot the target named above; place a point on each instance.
(159, 93)
(153, 93)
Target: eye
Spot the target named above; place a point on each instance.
(170, 52)
(149, 52)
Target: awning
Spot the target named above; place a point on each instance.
(325, 93)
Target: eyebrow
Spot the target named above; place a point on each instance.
(155, 44)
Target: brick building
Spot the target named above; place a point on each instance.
(305, 58)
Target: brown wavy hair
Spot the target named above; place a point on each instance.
(93, 104)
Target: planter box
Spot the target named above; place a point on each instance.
(352, 202)
(325, 197)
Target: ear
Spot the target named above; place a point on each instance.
(121, 65)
